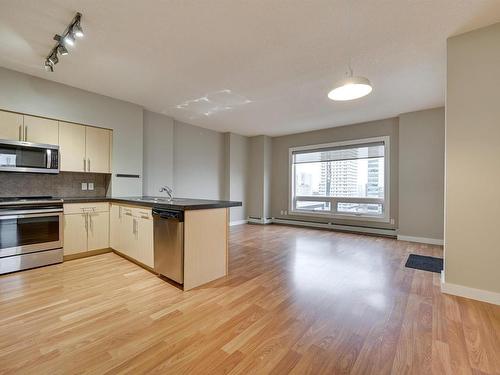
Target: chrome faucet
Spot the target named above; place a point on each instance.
(168, 190)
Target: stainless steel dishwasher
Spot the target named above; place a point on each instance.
(169, 243)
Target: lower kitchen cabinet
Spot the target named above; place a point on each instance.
(75, 233)
(131, 232)
(144, 235)
(98, 230)
(86, 227)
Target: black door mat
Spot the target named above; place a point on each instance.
(420, 262)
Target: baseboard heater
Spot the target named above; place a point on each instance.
(340, 227)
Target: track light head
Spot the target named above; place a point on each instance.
(69, 39)
(77, 26)
(60, 46)
(62, 50)
(77, 30)
(48, 66)
(53, 59)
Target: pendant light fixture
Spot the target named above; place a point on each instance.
(352, 87)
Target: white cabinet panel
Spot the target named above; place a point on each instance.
(97, 150)
(41, 130)
(98, 230)
(75, 233)
(145, 241)
(72, 147)
(11, 125)
(115, 227)
(131, 233)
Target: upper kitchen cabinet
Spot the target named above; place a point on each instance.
(97, 149)
(40, 130)
(11, 125)
(84, 148)
(72, 147)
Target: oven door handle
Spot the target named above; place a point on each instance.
(9, 215)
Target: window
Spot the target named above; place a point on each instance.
(341, 179)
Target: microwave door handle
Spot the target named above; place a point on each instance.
(49, 158)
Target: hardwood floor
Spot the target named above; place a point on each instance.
(295, 301)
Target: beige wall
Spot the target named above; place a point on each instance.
(198, 162)
(237, 174)
(158, 152)
(280, 167)
(259, 177)
(268, 169)
(472, 220)
(421, 174)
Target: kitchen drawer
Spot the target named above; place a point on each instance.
(143, 213)
(78, 208)
(139, 212)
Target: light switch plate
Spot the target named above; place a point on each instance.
(84, 186)
(91, 186)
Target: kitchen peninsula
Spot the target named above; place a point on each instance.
(144, 229)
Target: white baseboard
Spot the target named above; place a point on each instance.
(472, 293)
(430, 241)
(347, 228)
(237, 222)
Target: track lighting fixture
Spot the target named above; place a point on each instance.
(67, 38)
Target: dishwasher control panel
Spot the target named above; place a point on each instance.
(169, 214)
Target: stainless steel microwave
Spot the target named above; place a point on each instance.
(19, 156)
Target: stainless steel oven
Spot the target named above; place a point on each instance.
(19, 156)
(30, 233)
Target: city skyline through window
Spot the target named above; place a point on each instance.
(341, 178)
(350, 178)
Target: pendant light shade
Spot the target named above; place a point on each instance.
(350, 89)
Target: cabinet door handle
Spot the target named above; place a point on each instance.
(88, 163)
(84, 165)
(25, 133)
(86, 222)
(119, 212)
(20, 132)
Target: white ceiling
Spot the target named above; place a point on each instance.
(250, 67)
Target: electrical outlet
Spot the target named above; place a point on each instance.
(91, 186)
(286, 212)
(281, 212)
(392, 221)
(84, 186)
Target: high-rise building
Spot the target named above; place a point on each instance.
(375, 184)
(344, 173)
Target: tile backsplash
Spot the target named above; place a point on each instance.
(64, 184)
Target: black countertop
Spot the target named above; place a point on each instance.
(182, 204)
